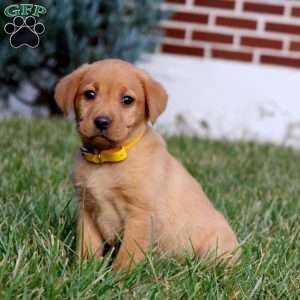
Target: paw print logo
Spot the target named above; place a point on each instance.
(24, 32)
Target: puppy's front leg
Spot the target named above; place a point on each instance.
(136, 241)
(89, 239)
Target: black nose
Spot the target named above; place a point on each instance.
(102, 123)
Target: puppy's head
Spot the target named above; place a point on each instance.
(111, 99)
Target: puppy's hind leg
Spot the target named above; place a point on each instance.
(222, 243)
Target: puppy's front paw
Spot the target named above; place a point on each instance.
(124, 263)
(127, 260)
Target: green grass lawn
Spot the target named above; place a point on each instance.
(257, 187)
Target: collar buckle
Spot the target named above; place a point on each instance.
(98, 159)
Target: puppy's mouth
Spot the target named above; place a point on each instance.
(102, 136)
(100, 140)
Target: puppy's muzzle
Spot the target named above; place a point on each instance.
(102, 122)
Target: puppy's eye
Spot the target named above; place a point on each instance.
(90, 95)
(127, 100)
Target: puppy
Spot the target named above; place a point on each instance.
(129, 186)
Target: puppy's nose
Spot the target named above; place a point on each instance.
(102, 122)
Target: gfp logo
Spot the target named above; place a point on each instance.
(24, 30)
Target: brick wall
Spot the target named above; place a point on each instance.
(254, 31)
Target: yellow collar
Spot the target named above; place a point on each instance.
(111, 155)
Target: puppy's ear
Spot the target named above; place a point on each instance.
(67, 87)
(155, 94)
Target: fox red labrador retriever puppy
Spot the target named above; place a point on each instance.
(129, 186)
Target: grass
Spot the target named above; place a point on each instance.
(256, 186)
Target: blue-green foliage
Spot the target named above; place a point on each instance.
(77, 31)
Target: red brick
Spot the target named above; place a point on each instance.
(281, 61)
(175, 1)
(187, 50)
(281, 27)
(236, 22)
(190, 17)
(261, 42)
(232, 55)
(295, 46)
(296, 11)
(212, 37)
(225, 4)
(264, 8)
(177, 33)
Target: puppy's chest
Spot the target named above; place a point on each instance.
(100, 183)
(103, 193)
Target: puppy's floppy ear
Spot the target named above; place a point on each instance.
(155, 94)
(67, 87)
